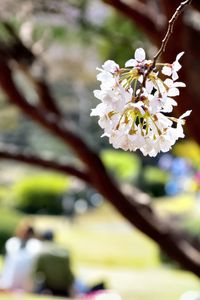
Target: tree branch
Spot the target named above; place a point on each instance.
(45, 98)
(18, 53)
(140, 216)
(165, 40)
(170, 28)
(11, 152)
(17, 50)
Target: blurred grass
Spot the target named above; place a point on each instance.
(140, 285)
(103, 238)
(104, 246)
(149, 284)
(100, 236)
(178, 204)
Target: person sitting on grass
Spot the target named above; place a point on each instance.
(53, 273)
(21, 251)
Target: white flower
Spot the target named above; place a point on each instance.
(101, 110)
(139, 58)
(177, 132)
(181, 122)
(115, 98)
(173, 87)
(186, 114)
(139, 106)
(107, 80)
(155, 104)
(167, 103)
(110, 66)
(126, 141)
(108, 123)
(162, 143)
(174, 68)
(149, 85)
(132, 112)
(163, 121)
(140, 54)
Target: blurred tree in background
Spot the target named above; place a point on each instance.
(48, 54)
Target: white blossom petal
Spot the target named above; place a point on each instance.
(149, 86)
(99, 94)
(176, 66)
(131, 63)
(179, 55)
(173, 92)
(140, 54)
(179, 84)
(110, 66)
(100, 110)
(104, 76)
(174, 76)
(186, 114)
(167, 70)
(169, 82)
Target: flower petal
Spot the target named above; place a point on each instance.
(176, 66)
(100, 110)
(149, 86)
(140, 54)
(173, 92)
(174, 76)
(186, 114)
(110, 66)
(104, 76)
(169, 82)
(179, 84)
(99, 94)
(167, 70)
(131, 63)
(179, 55)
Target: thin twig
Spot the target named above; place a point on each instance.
(165, 40)
(170, 28)
(13, 153)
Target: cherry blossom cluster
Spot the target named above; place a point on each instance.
(135, 104)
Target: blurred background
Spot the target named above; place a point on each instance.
(59, 44)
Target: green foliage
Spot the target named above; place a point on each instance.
(55, 33)
(40, 194)
(153, 181)
(8, 222)
(3, 194)
(123, 165)
(155, 175)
